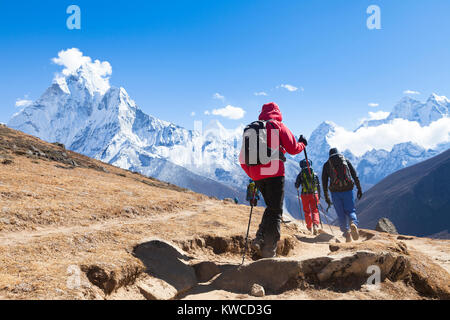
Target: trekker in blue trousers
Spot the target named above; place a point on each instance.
(345, 209)
(343, 178)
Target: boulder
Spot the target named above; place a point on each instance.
(355, 265)
(272, 274)
(206, 270)
(156, 289)
(386, 225)
(110, 277)
(168, 263)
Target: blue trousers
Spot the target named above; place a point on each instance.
(344, 205)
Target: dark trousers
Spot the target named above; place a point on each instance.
(272, 189)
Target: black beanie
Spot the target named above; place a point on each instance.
(333, 151)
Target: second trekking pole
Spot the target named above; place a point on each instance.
(313, 181)
(248, 228)
(300, 207)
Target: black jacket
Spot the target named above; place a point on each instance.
(326, 176)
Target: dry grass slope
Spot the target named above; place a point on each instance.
(70, 226)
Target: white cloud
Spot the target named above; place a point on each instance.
(373, 105)
(387, 135)
(23, 103)
(229, 112)
(192, 114)
(218, 96)
(289, 87)
(207, 112)
(411, 92)
(262, 93)
(72, 59)
(378, 115)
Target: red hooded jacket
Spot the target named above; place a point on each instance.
(287, 143)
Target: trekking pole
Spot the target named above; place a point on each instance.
(310, 175)
(326, 218)
(248, 228)
(300, 207)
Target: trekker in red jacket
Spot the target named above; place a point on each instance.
(269, 179)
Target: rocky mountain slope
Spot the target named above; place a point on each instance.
(416, 198)
(72, 227)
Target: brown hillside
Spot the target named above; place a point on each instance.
(75, 228)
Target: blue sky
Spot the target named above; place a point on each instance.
(173, 56)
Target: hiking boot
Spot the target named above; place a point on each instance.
(348, 237)
(309, 229)
(354, 231)
(315, 230)
(257, 245)
(269, 252)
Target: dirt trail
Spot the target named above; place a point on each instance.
(22, 237)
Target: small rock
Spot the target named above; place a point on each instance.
(156, 289)
(405, 238)
(129, 210)
(6, 161)
(386, 225)
(59, 291)
(334, 248)
(33, 148)
(228, 200)
(58, 144)
(257, 291)
(22, 287)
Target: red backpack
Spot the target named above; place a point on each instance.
(340, 172)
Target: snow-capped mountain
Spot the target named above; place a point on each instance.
(410, 109)
(376, 164)
(106, 124)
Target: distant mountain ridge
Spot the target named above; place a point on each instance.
(416, 199)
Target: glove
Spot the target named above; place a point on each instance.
(303, 140)
(360, 194)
